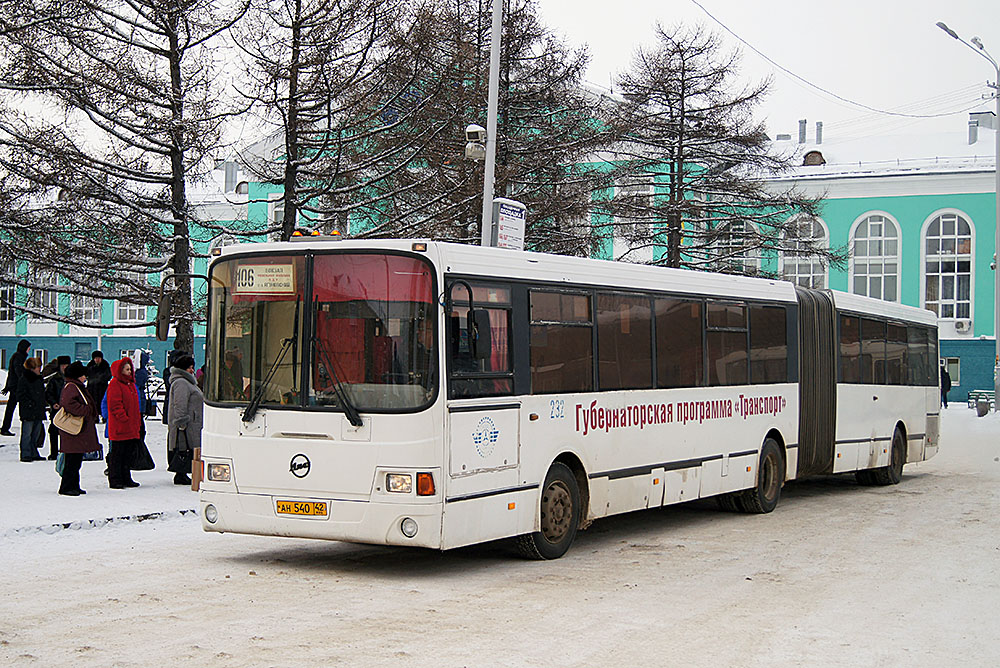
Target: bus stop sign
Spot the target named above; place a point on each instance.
(508, 223)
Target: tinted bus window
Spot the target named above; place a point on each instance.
(679, 355)
(895, 355)
(624, 342)
(916, 343)
(768, 345)
(562, 353)
(872, 352)
(850, 349)
(471, 377)
(933, 375)
(727, 348)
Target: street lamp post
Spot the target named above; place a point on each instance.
(486, 230)
(977, 46)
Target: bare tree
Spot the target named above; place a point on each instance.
(692, 161)
(549, 123)
(110, 113)
(342, 84)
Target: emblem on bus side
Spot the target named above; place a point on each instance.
(299, 466)
(485, 436)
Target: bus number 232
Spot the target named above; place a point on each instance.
(557, 409)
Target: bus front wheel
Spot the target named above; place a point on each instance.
(558, 515)
(763, 497)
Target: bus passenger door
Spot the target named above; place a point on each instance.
(484, 498)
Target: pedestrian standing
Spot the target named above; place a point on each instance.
(14, 367)
(76, 401)
(98, 376)
(945, 385)
(54, 382)
(185, 419)
(124, 424)
(172, 357)
(31, 405)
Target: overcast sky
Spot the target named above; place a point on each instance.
(886, 54)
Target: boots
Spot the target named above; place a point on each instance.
(182, 479)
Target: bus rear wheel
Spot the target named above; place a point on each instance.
(559, 516)
(893, 473)
(764, 496)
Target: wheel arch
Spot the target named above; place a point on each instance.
(575, 464)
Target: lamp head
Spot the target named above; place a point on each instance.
(941, 24)
(978, 43)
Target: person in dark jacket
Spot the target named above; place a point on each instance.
(31, 404)
(172, 357)
(185, 419)
(54, 382)
(945, 385)
(98, 376)
(14, 367)
(124, 424)
(141, 381)
(77, 401)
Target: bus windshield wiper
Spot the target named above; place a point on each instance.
(258, 396)
(338, 387)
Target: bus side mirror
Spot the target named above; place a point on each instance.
(163, 317)
(480, 334)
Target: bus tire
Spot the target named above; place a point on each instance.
(864, 477)
(893, 473)
(728, 502)
(559, 516)
(764, 496)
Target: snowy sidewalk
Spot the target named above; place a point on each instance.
(30, 501)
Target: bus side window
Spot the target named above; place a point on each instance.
(872, 352)
(561, 344)
(768, 345)
(469, 377)
(850, 349)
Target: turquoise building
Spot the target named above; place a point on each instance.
(916, 215)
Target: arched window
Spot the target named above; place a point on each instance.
(875, 258)
(800, 262)
(733, 247)
(948, 266)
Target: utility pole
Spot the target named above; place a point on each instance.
(486, 228)
(977, 46)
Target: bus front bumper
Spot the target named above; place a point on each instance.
(377, 523)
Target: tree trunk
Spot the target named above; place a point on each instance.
(290, 194)
(181, 264)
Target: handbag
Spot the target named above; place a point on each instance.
(94, 455)
(60, 464)
(180, 460)
(67, 422)
(141, 459)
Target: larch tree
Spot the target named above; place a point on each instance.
(110, 113)
(549, 123)
(692, 161)
(338, 86)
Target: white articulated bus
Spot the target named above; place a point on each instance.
(439, 395)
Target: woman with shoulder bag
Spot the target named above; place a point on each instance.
(76, 400)
(184, 419)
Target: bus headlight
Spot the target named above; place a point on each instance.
(409, 527)
(400, 483)
(211, 514)
(219, 473)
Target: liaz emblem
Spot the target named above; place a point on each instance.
(299, 466)
(485, 436)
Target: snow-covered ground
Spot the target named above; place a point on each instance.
(30, 501)
(838, 575)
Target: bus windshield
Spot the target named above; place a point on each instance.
(363, 334)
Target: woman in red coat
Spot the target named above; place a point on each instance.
(124, 424)
(77, 401)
